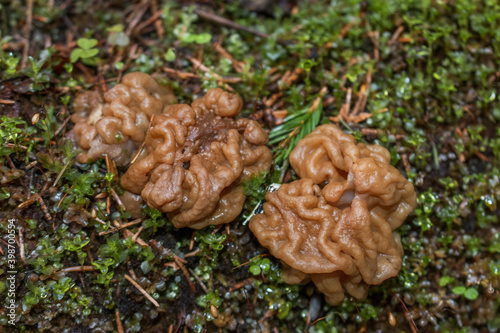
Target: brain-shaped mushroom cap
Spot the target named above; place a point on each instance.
(197, 158)
(337, 224)
(118, 126)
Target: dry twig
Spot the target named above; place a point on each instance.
(178, 260)
(148, 296)
(200, 282)
(121, 227)
(110, 166)
(119, 325)
(228, 23)
(396, 35)
(158, 22)
(237, 65)
(6, 101)
(127, 233)
(37, 197)
(356, 115)
(407, 314)
(78, 269)
(245, 263)
(269, 314)
(180, 74)
(143, 6)
(156, 15)
(251, 309)
(118, 200)
(205, 69)
(61, 173)
(241, 284)
(192, 253)
(134, 238)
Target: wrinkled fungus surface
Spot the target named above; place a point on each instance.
(116, 124)
(336, 225)
(197, 157)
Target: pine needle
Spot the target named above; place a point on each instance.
(295, 127)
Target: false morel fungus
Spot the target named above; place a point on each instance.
(336, 225)
(190, 163)
(116, 124)
(197, 158)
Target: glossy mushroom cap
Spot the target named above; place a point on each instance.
(197, 158)
(342, 235)
(117, 125)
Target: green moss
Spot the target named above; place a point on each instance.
(433, 104)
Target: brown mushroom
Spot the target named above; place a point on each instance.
(197, 158)
(337, 224)
(118, 126)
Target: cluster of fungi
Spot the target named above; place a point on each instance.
(190, 163)
(334, 226)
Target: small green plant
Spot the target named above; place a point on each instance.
(170, 55)
(184, 30)
(473, 245)
(425, 209)
(103, 265)
(469, 293)
(8, 61)
(76, 245)
(210, 244)
(33, 296)
(86, 51)
(11, 64)
(31, 223)
(445, 280)
(260, 265)
(14, 136)
(307, 65)
(209, 238)
(61, 288)
(155, 220)
(114, 249)
(5, 194)
(36, 71)
(211, 298)
(255, 191)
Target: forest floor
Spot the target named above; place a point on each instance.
(420, 78)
